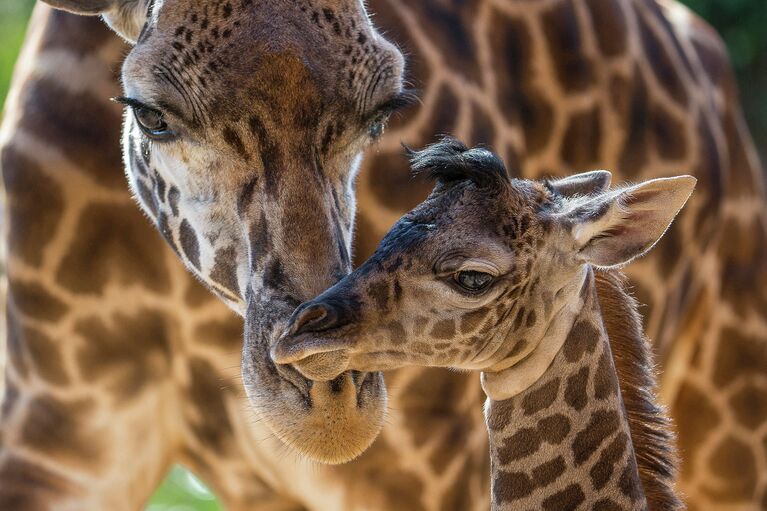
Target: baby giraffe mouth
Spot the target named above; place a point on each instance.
(316, 359)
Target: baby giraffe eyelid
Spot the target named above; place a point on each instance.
(481, 266)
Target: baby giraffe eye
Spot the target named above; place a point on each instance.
(472, 280)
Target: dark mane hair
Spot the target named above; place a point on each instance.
(449, 160)
(650, 427)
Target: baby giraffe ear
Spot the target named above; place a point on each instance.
(126, 17)
(586, 183)
(615, 227)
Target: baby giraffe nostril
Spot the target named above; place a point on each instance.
(315, 318)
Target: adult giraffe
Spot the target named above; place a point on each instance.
(118, 359)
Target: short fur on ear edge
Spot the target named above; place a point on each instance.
(585, 183)
(614, 228)
(126, 17)
(91, 7)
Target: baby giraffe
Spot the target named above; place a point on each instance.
(515, 279)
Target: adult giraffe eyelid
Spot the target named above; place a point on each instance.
(134, 103)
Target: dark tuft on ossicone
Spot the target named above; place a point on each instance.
(449, 160)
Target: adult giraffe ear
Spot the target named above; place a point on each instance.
(615, 227)
(126, 17)
(586, 183)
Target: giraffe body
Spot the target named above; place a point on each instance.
(495, 275)
(75, 284)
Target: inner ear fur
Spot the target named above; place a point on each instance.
(615, 227)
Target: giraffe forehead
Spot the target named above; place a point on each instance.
(295, 58)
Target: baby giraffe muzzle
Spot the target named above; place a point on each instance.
(517, 279)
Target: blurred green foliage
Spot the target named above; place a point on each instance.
(13, 23)
(742, 23)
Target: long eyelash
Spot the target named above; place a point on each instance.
(401, 100)
(133, 103)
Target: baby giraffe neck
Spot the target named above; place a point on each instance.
(565, 441)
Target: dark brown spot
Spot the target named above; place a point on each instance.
(130, 353)
(601, 425)
(63, 430)
(738, 356)
(629, 482)
(379, 291)
(232, 138)
(226, 335)
(499, 414)
(575, 391)
(114, 244)
(35, 205)
(565, 500)
(189, 243)
(56, 114)
(31, 486)
(519, 96)
(603, 469)
(482, 130)
(582, 339)
(45, 356)
(573, 68)
(669, 135)
(224, 270)
(606, 504)
(521, 444)
(605, 379)
(471, 320)
(448, 25)
(211, 422)
(554, 429)
(582, 140)
(733, 463)
(665, 71)
(548, 472)
(444, 329)
(636, 110)
(695, 418)
(540, 398)
(609, 25)
(511, 486)
(749, 405)
(34, 301)
(397, 333)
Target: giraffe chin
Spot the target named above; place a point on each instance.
(330, 415)
(335, 422)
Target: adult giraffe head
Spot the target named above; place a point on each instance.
(244, 126)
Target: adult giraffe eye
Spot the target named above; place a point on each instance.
(151, 122)
(471, 280)
(376, 129)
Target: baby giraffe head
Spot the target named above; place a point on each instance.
(480, 274)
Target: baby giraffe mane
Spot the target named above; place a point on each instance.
(449, 160)
(650, 427)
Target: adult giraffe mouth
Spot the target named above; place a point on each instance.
(331, 419)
